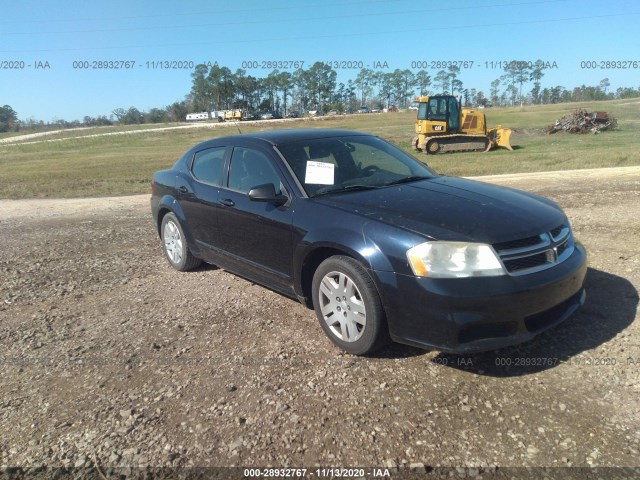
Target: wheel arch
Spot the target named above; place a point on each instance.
(169, 204)
(313, 258)
(161, 214)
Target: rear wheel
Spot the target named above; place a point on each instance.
(416, 144)
(175, 246)
(348, 306)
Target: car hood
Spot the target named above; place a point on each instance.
(449, 208)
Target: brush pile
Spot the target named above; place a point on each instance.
(582, 121)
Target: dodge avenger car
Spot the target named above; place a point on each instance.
(372, 239)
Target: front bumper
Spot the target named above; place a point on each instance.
(476, 314)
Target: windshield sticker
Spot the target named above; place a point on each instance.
(319, 173)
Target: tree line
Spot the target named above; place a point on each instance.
(215, 87)
(316, 88)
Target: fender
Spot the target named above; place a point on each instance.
(381, 238)
(169, 202)
(314, 243)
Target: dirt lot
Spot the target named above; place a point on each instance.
(107, 355)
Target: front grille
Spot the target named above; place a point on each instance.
(522, 243)
(535, 253)
(524, 263)
(563, 247)
(556, 231)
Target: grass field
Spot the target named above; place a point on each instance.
(79, 163)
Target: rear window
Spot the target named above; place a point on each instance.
(208, 164)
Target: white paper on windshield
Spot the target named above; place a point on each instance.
(320, 173)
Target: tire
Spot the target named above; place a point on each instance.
(348, 306)
(174, 245)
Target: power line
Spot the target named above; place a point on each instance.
(257, 22)
(217, 12)
(331, 36)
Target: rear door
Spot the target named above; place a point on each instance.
(199, 194)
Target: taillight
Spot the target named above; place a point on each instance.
(153, 184)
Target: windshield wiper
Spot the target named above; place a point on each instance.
(348, 188)
(412, 178)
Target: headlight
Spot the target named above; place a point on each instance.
(454, 260)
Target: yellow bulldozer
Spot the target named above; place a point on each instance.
(444, 126)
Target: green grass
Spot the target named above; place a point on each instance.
(123, 164)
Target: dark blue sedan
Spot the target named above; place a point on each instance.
(372, 239)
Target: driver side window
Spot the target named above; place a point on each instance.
(250, 168)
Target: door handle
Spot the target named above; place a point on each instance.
(183, 189)
(227, 202)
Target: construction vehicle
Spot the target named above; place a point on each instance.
(227, 115)
(444, 126)
(219, 115)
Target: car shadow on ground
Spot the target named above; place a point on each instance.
(610, 308)
(206, 267)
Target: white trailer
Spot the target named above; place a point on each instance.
(198, 116)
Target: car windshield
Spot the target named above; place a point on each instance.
(335, 164)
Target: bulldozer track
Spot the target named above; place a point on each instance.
(456, 143)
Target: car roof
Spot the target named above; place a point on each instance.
(276, 137)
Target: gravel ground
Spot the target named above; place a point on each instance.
(109, 356)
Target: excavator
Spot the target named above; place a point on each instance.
(444, 126)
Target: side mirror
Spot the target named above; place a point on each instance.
(267, 193)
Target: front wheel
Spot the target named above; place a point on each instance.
(348, 306)
(175, 246)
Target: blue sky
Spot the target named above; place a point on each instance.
(57, 34)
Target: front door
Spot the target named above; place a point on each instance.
(256, 236)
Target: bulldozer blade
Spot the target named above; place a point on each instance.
(502, 137)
